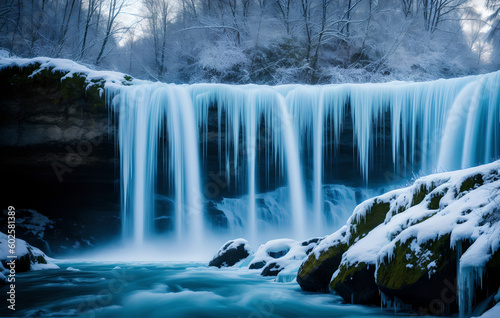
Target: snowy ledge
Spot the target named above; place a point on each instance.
(69, 69)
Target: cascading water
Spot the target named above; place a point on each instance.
(284, 138)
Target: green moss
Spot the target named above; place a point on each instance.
(40, 259)
(471, 182)
(401, 209)
(94, 96)
(346, 272)
(128, 80)
(419, 196)
(435, 199)
(31, 81)
(373, 218)
(395, 274)
(312, 263)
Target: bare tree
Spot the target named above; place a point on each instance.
(407, 6)
(158, 18)
(435, 10)
(284, 8)
(92, 7)
(115, 8)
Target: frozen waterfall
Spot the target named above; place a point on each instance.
(283, 139)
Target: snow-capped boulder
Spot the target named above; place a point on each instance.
(315, 273)
(28, 258)
(409, 243)
(281, 257)
(231, 253)
(278, 255)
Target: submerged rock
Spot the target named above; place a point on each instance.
(231, 253)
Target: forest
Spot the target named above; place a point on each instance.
(261, 41)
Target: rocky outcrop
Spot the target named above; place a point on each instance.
(231, 253)
(428, 247)
(59, 152)
(27, 258)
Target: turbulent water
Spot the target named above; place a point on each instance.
(169, 290)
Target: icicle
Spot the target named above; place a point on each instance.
(455, 123)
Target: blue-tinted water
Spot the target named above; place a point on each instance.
(168, 290)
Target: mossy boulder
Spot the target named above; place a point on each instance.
(375, 215)
(356, 284)
(315, 273)
(419, 277)
(28, 257)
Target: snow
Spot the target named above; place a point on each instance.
(295, 252)
(69, 67)
(291, 248)
(21, 246)
(233, 244)
(492, 313)
(38, 266)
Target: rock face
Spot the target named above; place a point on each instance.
(231, 253)
(59, 156)
(429, 247)
(410, 273)
(356, 283)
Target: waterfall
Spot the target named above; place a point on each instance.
(217, 143)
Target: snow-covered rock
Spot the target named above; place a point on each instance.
(278, 255)
(281, 257)
(413, 241)
(231, 253)
(28, 257)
